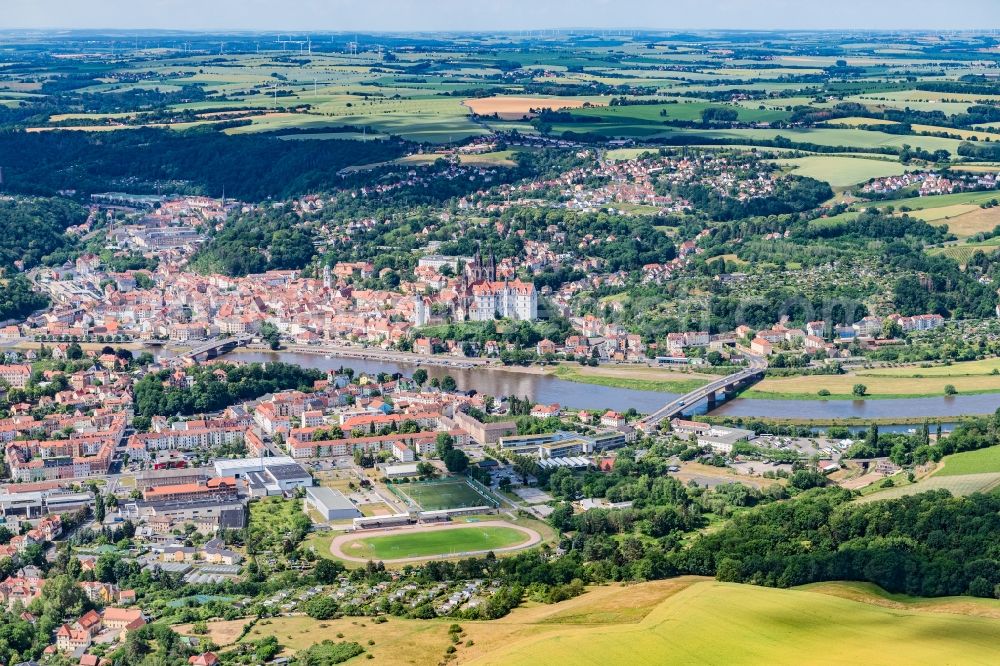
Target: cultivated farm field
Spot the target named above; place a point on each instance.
(842, 171)
(518, 107)
(960, 485)
(943, 200)
(986, 366)
(764, 625)
(963, 252)
(879, 385)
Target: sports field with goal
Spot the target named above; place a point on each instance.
(440, 495)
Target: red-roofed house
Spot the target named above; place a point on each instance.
(204, 659)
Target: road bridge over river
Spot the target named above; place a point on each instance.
(213, 348)
(728, 385)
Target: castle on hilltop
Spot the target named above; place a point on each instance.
(481, 297)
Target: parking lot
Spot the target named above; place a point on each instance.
(807, 446)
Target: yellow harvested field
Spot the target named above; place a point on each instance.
(766, 626)
(944, 212)
(501, 158)
(963, 220)
(977, 168)
(986, 366)
(640, 623)
(877, 385)
(980, 135)
(872, 594)
(857, 121)
(974, 222)
(60, 117)
(21, 86)
(83, 128)
(518, 107)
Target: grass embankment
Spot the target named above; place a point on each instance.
(638, 378)
(971, 462)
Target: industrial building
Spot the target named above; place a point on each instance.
(266, 476)
(562, 443)
(330, 504)
(34, 504)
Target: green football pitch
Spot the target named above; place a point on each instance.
(438, 496)
(436, 542)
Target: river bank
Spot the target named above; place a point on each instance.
(877, 386)
(547, 388)
(640, 378)
(850, 422)
(135, 346)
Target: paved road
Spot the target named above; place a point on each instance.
(758, 364)
(364, 353)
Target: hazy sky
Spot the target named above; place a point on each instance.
(413, 15)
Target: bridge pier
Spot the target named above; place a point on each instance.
(727, 386)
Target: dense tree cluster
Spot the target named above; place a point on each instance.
(627, 243)
(934, 283)
(979, 151)
(217, 386)
(328, 653)
(35, 228)
(915, 449)
(19, 299)
(792, 194)
(930, 544)
(875, 225)
(248, 167)
(268, 239)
